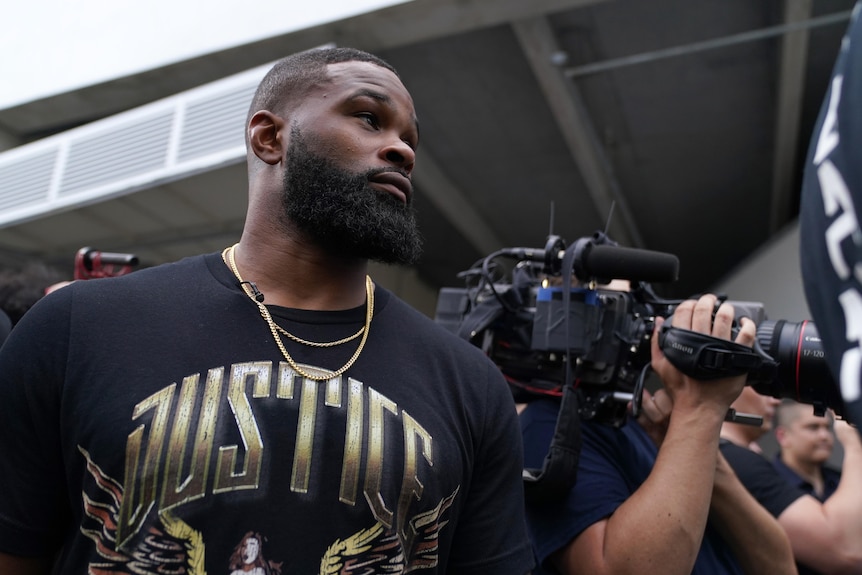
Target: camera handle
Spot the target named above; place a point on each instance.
(732, 415)
(559, 470)
(704, 357)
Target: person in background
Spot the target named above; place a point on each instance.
(22, 287)
(149, 421)
(656, 496)
(826, 536)
(806, 443)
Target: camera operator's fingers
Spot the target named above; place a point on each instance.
(747, 332)
(701, 318)
(682, 314)
(846, 434)
(663, 403)
(655, 414)
(649, 411)
(655, 350)
(723, 321)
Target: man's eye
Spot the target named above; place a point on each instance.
(369, 119)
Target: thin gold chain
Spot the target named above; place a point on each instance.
(310, 343)
(228, 257)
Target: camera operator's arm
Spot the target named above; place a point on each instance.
(758, 541)
(828, 536)
(674, 501)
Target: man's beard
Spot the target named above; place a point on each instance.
(340, 212)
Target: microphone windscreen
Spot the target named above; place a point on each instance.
(614, 262)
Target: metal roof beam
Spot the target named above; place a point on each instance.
(793, 59)
(539, 45)
(455, 205)
(713, 44)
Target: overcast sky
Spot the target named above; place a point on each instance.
(52, 46)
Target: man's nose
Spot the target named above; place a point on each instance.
(401, 155)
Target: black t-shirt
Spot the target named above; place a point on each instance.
(763, 482)
(151, 420)
(613, 463)
(760, 478)
(769, 486)
(831, 478)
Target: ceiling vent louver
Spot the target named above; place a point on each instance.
(130, 149)
(28, 180)
(215, 123)
(167, 140)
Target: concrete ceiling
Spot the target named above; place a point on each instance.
(685, 121)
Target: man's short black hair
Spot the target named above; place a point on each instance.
(291, 77)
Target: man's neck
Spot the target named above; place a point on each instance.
(742, 435)
(300, 276)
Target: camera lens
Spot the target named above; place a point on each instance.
(802, 373)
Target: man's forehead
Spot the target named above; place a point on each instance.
(364, 72)
(366, 78)
(804, 415)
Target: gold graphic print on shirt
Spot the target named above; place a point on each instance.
(372, 548)
(171, 460)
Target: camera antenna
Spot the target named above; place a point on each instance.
(610, 214)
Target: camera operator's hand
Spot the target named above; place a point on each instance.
(688, 479)
(846, 434)
(655, 414)
(687, 393)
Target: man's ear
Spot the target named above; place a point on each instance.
(264, 136)
(780, 434)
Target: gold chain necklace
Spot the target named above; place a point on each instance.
(228, 257)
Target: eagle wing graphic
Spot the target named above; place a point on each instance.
(425, 549)
(372, 550)
(170, 548)
(380, 550)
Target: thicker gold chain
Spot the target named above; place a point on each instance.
(228, 257)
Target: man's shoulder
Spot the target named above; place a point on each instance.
(169, 276)
(786, 471)
(746, 462)
(414, 323)
(760, 477)
(157, 287)
(182, 267)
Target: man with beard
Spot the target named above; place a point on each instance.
(148, 422)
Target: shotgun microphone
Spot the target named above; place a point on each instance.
(604, 261)
(614, 262)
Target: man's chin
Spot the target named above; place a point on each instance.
(821, 456)
(398, 257)
(403, 251)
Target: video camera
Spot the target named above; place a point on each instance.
(555, 325)
(545, 336)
